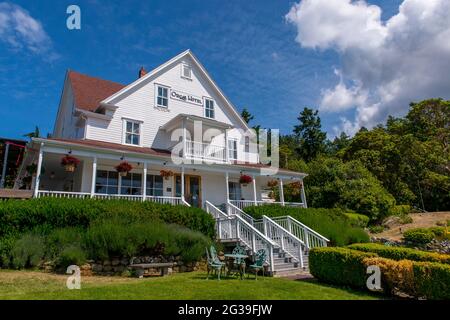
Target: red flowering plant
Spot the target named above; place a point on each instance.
(70, 162)
(166, 174)
(123, 168)
(245, 179)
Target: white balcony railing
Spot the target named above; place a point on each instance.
(84, 195)
(241, 204)
(206, 151)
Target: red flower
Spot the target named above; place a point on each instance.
(70, 160)
(166, 173)
(124, 167)
(245, 179)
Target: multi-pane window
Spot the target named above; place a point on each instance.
(247, 144)
(154, 186)
(232, 149)
(162, 97)
(106, 182)
(234, 190)
(132, 132)
(209, 108)
(131, 184)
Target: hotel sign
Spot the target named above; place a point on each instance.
(185, 97)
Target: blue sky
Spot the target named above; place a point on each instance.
(247, 46)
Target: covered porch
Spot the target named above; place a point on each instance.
(152, 178)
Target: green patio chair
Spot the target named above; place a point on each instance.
(259, 263)
(213, 262)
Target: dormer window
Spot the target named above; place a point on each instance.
(209, 108)
(186, 71)
(162, 97)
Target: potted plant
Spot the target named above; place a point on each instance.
(166, 174)
(70, 163)
(245, 179)
(123, 168)
(272, 183)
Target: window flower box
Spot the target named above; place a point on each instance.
(70, 163)
(123, 168)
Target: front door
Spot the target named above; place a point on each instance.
(192, 189)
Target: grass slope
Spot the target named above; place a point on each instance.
(42, 286)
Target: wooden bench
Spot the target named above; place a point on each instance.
(140, 268)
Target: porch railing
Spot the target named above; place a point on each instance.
(241, 204)
(201, 150)
(84, 195)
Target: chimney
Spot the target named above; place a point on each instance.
(142, 72)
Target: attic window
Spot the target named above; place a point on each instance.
(186, 71)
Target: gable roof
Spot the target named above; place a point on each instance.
(110, 100)
(89, 91)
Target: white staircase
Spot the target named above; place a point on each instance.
(286, 240)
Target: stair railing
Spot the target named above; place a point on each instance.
(310, 237)
(289, 243)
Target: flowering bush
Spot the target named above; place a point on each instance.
(272, 183)
(124, 167)
(245, 179)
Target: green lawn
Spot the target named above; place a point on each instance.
(37, 285)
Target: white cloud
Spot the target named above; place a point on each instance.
(385, 65)
(20, 30)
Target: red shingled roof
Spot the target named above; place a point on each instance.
(89, 91)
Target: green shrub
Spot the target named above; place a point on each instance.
(60, 239)
(400, 253)
(400, 210)
(376, 229)
(28, 251)
(343, 266)
(357, 220)
(432, 280)
(18, 216)
(418, 235)
(115, 237)
(70, 255)
(339, 266)
(331, 223)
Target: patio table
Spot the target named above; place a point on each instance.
(242, 265)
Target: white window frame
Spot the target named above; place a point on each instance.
(213, 109)
(157, 86)
(233, 151)
(124, 131)
(183, 66)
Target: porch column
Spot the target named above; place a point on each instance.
(182, 184)
(226, 148)
(144, 182)
(38, 171)
(254, 191)
(281, 192)
(227, 188)
(303, 195)
(184, 137)
(94, 176)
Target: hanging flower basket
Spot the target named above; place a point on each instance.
(70, 163)
(272, 183)
(166, 174)
(245, 179)
(123, 168)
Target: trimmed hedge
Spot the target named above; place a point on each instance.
(418, 235)
(400, 253)
(345, 266)
(17, 216)
(339, 266)
(331, 223)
